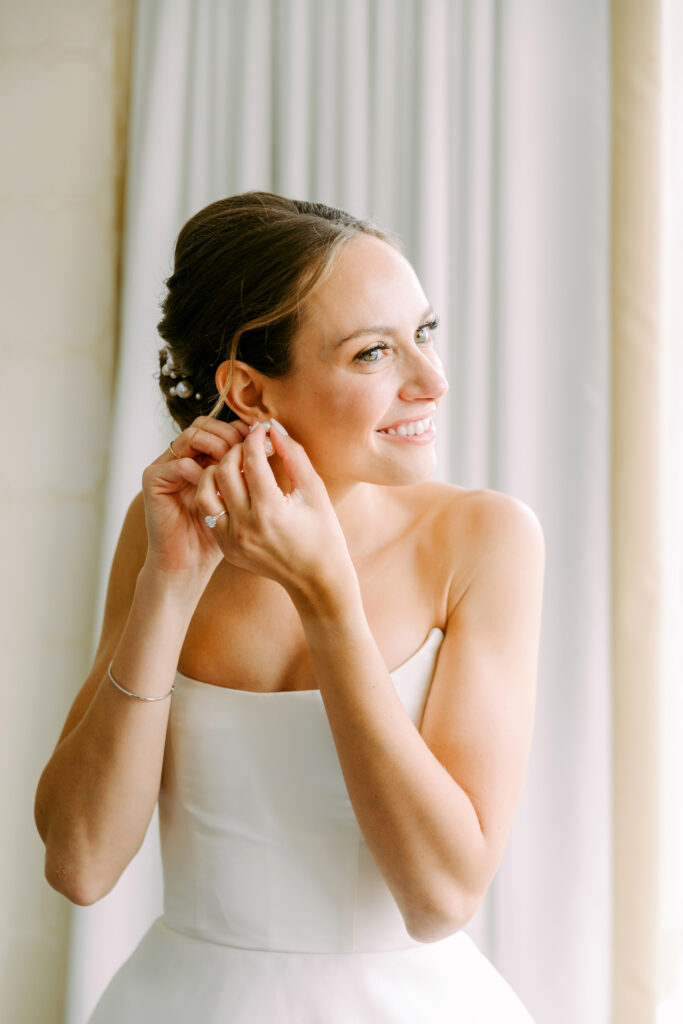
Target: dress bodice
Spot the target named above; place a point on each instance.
(274, 909)
(260, 845)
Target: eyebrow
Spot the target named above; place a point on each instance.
(429, 312)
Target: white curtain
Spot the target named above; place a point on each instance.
(479, 131)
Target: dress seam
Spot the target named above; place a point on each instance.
(162, 920)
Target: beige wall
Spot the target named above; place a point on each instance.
(62, 113)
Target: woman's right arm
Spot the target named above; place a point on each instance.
(97, 793)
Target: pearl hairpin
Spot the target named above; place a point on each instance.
(184, 388)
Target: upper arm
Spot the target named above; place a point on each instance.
(129, 557)
(479, 716)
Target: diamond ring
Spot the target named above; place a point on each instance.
(212, 520)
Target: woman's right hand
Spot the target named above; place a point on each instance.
(180, 545)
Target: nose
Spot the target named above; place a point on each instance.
(426, 378)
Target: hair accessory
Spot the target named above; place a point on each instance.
(136, 695)
(169, 363)
(184, 388)
(212, 520)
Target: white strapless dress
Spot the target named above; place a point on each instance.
(274, 909)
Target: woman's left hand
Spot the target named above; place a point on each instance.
(294, 539)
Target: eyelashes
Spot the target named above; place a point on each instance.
(429, 326)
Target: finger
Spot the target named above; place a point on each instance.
(207, 436)
(210, 436)
(207, 499)
(257, 472)
(171, 476)
(229, 481)
(296, 463)
(222, 426)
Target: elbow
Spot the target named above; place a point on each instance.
(432, 928)
(434, 925)
(75, 890)
(80, 897)
(74, 885)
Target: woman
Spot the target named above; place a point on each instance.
(328, 826)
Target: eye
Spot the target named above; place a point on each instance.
(424, 331)
(369, 352)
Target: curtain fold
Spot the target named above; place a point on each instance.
(461, 126)
(647, 511)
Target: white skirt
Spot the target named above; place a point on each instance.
(173, 978)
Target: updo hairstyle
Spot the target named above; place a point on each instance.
(243, 268)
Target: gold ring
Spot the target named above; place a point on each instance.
(173, 451)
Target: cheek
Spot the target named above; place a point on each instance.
(333, 422)
(343, 407)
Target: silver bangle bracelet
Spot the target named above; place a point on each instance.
(136, 695)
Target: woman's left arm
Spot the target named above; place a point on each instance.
(435, 806)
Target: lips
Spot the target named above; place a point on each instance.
(427, 414)
(410, 428)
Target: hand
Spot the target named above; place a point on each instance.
(293, 538)
(179, 542)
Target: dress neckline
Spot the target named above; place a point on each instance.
(180, 677)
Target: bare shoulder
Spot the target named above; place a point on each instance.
(475, 529)
(452, 500)
(508, 543)
(479, 511)
(501, 524)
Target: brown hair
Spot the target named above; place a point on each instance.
(243, 267)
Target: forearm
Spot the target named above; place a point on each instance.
(419, 824)
(97, 794)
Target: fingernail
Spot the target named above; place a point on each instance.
(278, 426)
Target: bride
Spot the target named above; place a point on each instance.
(321, 663)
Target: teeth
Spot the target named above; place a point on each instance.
(410, 429)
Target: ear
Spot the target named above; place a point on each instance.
(245, 394)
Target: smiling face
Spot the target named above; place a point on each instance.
(364, 361)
